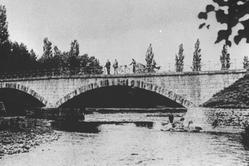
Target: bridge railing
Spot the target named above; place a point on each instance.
(73, 72)
(49, 73)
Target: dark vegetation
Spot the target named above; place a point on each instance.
(231, 13)
(179, 59)
(15, 57)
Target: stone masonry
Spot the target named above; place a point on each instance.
(189, 89)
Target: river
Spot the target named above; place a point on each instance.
(134, 139)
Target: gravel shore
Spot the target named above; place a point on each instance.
(21, 135)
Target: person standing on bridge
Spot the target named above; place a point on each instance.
(108, 66)
(133, 63)
(115, 66)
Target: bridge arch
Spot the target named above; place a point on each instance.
(24, 89)
(130, 83)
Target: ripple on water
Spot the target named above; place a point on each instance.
(136, 144)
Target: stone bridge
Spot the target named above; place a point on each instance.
(190, 89)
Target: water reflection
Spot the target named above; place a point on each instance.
(84, 127)
(148, 125)
(92, 127)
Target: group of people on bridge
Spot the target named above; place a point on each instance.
(116, 66)
(136, 67)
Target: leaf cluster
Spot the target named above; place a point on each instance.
(231, 13)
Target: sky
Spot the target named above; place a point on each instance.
(121, 29)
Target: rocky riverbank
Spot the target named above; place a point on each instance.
(20, 135)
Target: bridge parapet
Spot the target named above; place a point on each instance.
(53, 75)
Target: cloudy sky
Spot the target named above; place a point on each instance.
(122, 29)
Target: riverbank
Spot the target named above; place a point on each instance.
(129, 144)
(20, 135)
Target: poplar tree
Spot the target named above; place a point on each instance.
(179, 59)
(73, 56)
(149, 56)
(151, 64)
(47, 56)
(4, 35)
(197, 57)
(4, 40)
(58, 58)
(47, 49)
(74, 49)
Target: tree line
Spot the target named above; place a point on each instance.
(196, 63)
(15, 57)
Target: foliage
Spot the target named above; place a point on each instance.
(179, 59)
(150, 61)
(197, 57)
(16, 57)
(231, 13)
(13, 56)
(4, 35)
(20, 58)
(58, 58)
(90, 65)
(74, 50)
(70, 61)
(46, 61)
(149, 56)
(225, 58)
(4, 42)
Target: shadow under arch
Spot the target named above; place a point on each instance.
(130, 83)
(25, 90)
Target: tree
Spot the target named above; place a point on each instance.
(90, 65)
(179, 59)
(33, 55)
(47, 49)
(47, 56)
(225, 58)
(232, 13)
(20, 58)
(4, 35)
(197, 57)
(58, 58)
(149, 56)
(245, 62)
(13, 56)
(4, 41)
(74, 49)
(150, 61)
(72, 60)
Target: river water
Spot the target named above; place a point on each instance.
(134, 139)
